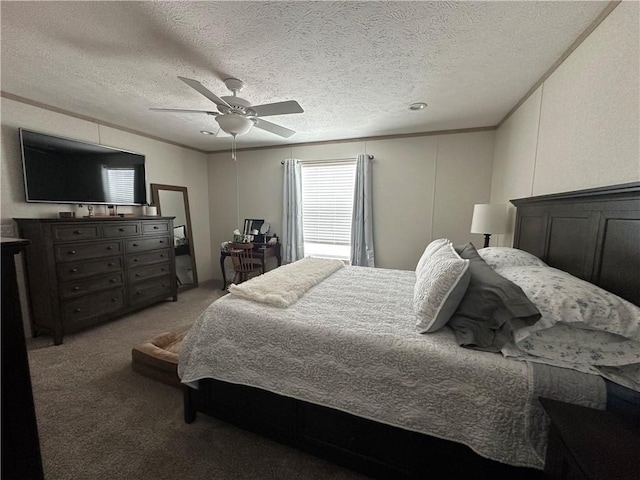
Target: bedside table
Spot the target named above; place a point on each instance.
(590, 444)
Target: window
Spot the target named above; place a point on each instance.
(327, 198)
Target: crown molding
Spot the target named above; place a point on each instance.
(51, 108)
(364, 139)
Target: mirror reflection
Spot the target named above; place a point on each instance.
(173, 201)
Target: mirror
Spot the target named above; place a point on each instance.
(252, 226)
(173, 201)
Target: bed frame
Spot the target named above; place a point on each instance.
(593, 234)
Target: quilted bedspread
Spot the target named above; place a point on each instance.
(350, 343)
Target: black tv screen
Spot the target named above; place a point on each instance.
(61, 170)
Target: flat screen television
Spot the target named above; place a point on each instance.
(61, 170)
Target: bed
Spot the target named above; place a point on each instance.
(334, 382)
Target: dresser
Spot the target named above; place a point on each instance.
(85, 271)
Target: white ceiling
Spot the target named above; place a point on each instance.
(353, 66)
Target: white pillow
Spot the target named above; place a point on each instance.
(499, 257)
(430, 250)
(440, 286)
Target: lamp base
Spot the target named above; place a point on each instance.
(487, 236)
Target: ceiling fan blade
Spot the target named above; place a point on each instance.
(279, 108)
(180, 110)
(196, 85)
(273, 128)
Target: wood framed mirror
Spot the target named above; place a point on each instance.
(173, 201)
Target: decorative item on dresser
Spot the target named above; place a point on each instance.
(81, 272)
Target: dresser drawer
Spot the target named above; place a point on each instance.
(94, 305)
(121, 230)
(143, 245)
(148, 258)
(155, 227)
(65, 233)
(80, 287)
(143, 273)
(79, 251)
(75, 270)
(149, 289)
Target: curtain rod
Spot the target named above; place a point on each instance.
(370, 157)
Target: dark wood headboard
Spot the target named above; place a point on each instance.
(593, 234)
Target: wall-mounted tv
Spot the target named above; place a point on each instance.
(61, 170)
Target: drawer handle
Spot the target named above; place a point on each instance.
(113, 280)
(155, 227)
(138, 293)
(76, 288)
(121, 229)
(162, 255)
(162, 269)
(135, 259)
(72, 252)
(78, 232)
(77, 310)
(73, 270)
(114, 299)
(111, 264)
(109, 247)
(137, 275)
(161, 241)
(135, 244)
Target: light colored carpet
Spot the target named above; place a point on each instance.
(97, 419)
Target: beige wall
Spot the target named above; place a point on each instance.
(165, 163)
(424, 188)
(580, 129)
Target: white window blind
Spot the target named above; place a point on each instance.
(327, 199)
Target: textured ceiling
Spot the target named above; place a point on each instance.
(353, 66)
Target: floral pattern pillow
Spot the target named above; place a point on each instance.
(581, 323)
(499, 257)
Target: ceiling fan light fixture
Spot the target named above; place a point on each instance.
(234, 124)
(417, 106)
(207, 132)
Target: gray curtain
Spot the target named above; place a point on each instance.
(362, 220)
(292, 238)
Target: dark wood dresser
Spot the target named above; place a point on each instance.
(85, 271)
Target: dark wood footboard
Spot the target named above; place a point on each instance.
(375, 449)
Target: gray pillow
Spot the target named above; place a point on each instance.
(491, 307)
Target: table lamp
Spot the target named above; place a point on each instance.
(489, 218)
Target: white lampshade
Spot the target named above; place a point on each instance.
(234, 124)
(490, 218)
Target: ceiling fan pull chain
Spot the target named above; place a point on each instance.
(233, 148)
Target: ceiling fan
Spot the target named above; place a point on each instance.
(236, 115)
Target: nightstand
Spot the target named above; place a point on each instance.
(590, 444)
